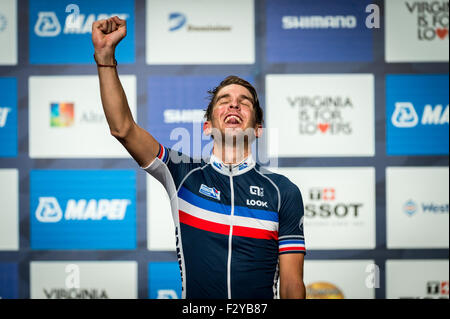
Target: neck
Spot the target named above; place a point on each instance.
(231, 154)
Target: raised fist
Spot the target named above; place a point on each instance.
(106, 34)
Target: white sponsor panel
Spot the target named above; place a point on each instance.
(417, 279)
(340, 279)
(200, 32)
(417, 30)
(417, 207)
(339, 206)
(83, 280)
(8, 32)
(161, 230)
(67, 118)
(320, 115)
(9, 212)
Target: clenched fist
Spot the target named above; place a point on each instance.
(106, 34)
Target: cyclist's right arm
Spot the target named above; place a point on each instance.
(141, 145)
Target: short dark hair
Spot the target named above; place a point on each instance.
(232, 79)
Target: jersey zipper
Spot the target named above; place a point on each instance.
(230, 237)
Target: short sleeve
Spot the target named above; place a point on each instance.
(170, 168)
(290, 229)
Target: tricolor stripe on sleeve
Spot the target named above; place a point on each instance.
(162, 154)
(291, 246)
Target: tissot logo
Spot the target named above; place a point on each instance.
(329, 207)
(432, 19)
(322, 114)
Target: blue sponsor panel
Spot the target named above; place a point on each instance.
(318, 31)
(176, 108)
(417, 119)
(62, 33)
(83, 209)
(8, 117)
(164, 280)
(9, 281)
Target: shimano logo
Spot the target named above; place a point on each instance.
(259, 203)
(318, 22)
(4, 115)
(47, 24)
(183, 116)
(405, 115)
(49, 210)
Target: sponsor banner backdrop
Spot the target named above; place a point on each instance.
(340, 279)
(61, 33)
(417, 115)
(339, 206)
(9, 281)
(83, 209)
(8, 32)
(8, 117)
(200, 32)
(417, 207)
(9, 212)
(83, 280)
(416, 30)
(70, 122)
(320, 115)
(164, 281)
(313, 31)
(408, 279)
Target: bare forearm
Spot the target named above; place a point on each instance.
(114, 101)
(292, 290)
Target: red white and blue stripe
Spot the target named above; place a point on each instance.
(162, 154)
(290, 245)
(215, 217)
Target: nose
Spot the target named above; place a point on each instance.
(234, 105)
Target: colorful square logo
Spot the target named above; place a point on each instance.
(62, 114)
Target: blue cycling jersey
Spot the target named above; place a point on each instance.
(231, 224)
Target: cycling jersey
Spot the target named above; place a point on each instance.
(231, 224)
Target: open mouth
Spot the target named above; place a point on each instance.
(233, 119)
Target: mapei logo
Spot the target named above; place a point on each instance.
(49, 210)
(48, 24)
(4, 115)
(405, 115)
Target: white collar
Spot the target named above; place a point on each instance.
(232, 169)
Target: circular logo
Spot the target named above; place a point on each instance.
(410, 207)
(323, 290)
(3, 22)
